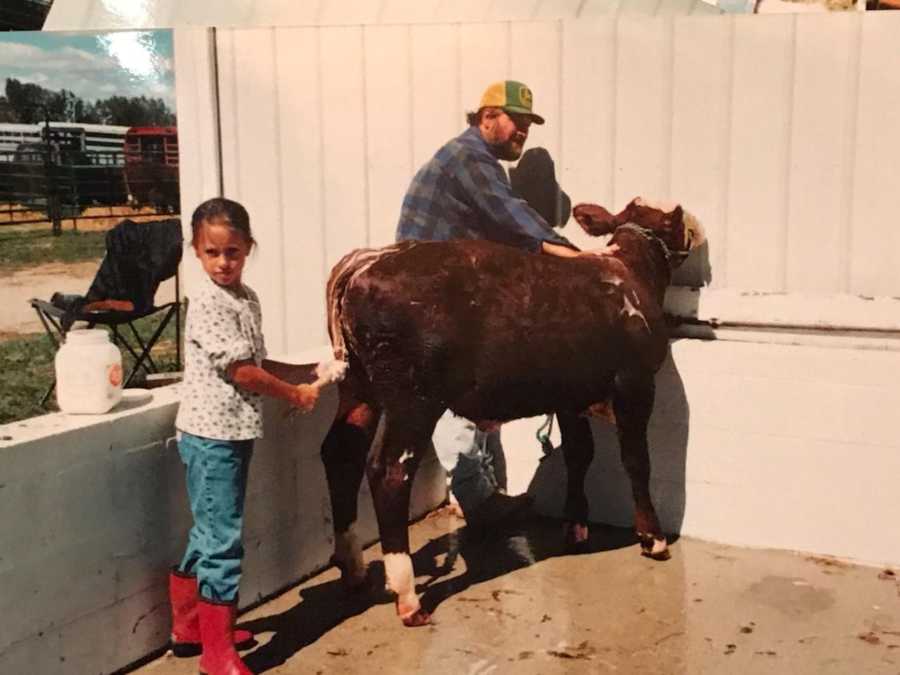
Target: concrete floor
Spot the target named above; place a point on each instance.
(517, 605)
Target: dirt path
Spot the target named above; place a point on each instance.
(16, 288)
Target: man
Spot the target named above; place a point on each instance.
(463, 193)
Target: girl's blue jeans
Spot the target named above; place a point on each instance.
(216, 485)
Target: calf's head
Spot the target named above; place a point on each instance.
(677, 229)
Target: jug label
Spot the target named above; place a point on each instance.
(115, 374)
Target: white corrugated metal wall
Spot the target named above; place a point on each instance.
(775, 130)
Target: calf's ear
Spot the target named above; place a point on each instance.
(594, 219)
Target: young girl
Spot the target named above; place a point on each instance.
(225, 374)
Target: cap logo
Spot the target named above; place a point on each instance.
(525, 96)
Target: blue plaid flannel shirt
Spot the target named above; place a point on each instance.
(463, 193)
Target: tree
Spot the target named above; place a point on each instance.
(28, 102)
(84, 112)
(134, 111)
(7, 114)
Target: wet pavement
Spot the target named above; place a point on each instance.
(518, 604)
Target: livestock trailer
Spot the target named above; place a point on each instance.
(151, 166)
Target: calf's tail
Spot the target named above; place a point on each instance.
(342, 275)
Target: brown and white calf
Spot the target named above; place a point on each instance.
(495, 333)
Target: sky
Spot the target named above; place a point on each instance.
(92, 65)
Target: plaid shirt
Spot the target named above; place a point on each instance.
(463, 193)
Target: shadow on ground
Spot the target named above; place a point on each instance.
(451, 563)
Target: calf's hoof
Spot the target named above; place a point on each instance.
(653, 547)
(576, 537)
(352, 583)
(418, 618)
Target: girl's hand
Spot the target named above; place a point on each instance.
(305, 397)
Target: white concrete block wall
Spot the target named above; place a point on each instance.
(95, 513)
(92, 517)
(768, 445)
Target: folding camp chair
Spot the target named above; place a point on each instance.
(139, 256)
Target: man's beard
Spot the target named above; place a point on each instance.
(510, 150)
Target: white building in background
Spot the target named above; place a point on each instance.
(92, 137)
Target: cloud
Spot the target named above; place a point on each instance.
(13, 54)
(127, 63)
(133, 53)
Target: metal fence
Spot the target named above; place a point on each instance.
(46, 182)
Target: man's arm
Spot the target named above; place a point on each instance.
(512, 220)
(566, 252)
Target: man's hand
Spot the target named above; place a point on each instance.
(558, 250)
(600, 252)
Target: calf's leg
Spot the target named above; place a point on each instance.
(344, 453)
(578, 450)
(633, 402)
(391, 468)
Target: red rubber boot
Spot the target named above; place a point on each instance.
(185, 639)
(216, 625)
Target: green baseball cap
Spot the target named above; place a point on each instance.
(511, 96)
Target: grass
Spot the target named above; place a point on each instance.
(21, 248)
(26, 368)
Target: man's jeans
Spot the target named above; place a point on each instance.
(216, 485)
(474, 459)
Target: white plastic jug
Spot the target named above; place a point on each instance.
(88, 373)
